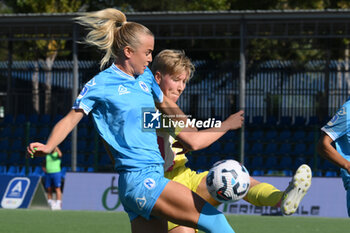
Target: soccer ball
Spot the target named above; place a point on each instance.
(228, 181)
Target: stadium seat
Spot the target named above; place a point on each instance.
(83, 133)
(38, 171)
(6, 132)
(257, 163)
(271, 163)
(257, 121)
(90, 169)
(256, 135)
(16, 159)
(56, 119)
(285, 162)
(271, 121)
(284, 149)
(13, 171)
(299, 121)
(284, 136)
(299, 149)
(299, 136)
(3, 158)
(229, 149)
(213, 159)
(230, 136)
(8, 120)
(257, 173)
(298, 161)
(45, 119)
(4, 145)
(331, 174)
(215, 148)
(19, 132)
(17, 146)
(256, 149)
(285, 121)
(2, 170)
(33, 119)
(66, 159)
(20, 119)
(44, 133)
(270, 149)
(271, 135)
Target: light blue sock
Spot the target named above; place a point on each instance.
(212, 221)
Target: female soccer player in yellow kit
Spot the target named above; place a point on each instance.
(172, 70)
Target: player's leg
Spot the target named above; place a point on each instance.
(263, 194)
(179, 204)
(154, 225)
(296, 190)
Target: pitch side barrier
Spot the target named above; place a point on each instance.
(96, 191)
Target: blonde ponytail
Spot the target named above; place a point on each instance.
(110, 32)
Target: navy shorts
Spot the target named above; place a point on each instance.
(53, 179)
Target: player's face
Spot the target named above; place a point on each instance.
(142, 55)
(173, 85)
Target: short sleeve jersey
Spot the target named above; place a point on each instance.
(116, 101)
(338, 128)
(53, 163)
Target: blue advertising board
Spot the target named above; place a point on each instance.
(17, 192)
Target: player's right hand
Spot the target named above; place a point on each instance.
(37, 149)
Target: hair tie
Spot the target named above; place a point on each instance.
(119, 24)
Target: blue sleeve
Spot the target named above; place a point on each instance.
(156, 91)
(339, 124)
(88, 97)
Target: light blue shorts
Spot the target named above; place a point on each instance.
(139, 190)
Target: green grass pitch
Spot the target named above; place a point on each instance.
(46, 221)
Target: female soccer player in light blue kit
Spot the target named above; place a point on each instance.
(338, 130)
(115, 98)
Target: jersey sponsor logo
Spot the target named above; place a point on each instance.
(83, 92)
(122, 90)
(335, 118)
(15, 193)
(141, 202)
(151, 119)
(143, 86)
(149, 183)
(91, 83)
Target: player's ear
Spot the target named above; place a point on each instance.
(158, 77)
(128, 51)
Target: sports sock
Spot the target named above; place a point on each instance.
(213, 221)
(264, 194)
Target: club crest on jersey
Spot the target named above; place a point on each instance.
(141, 202)
(122, 90)
(149, 183)
(143, 86)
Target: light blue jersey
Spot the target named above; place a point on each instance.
(338, 128)
(116, 100)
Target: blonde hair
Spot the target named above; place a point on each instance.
(111, 33)
(170, 61)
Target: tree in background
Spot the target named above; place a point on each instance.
(44, 52)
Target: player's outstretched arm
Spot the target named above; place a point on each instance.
(58, 134)
(326, 150)
(197, 140)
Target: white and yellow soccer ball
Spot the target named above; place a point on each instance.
(228, 181)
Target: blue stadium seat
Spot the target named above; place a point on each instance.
(215, 148)
(270, 149)
(64, 170)
(285, 162)
(90, 169)
(299, 136)
(20, 119)
(257, 121)
(257, 163)
(257, 173)
(287, 172)
(299, 121)
(230, 136)
(17, 145)
(8, 120)
(229, 149)
(284, 135)
(38, 171)
(56, 119)
(271, 121)
(212, 160)
(271, 163)
(256, 135)
(201, 163)
(331, 174)
(44, 133)
(6, 132)
(33, 119)
(3, 170)
(66, 159)
(45, 119)
(271, 134)
(3, 158)
(284, 149)
(19, 132)
(16, 159)
(83, 133)
(285, 121)
(13, 171)
(299, 149)
(4, 145)
(299, 161)
(256, 149)
(328, 166)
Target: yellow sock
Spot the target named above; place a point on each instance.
(264, 194)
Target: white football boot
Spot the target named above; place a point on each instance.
(296, 190)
